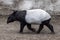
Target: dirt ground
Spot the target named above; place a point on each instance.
(11, 31)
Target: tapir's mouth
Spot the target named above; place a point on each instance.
(8, 22)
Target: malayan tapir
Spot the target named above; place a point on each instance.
(28, 17)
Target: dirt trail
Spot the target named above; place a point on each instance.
(11, 31)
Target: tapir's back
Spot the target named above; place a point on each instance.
(36, 16)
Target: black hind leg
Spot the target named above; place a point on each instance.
(50, 27)
(47, 23)
(30, 28)
(40, 28)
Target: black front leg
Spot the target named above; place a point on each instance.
(22, 25)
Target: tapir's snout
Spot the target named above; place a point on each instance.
(8, 22)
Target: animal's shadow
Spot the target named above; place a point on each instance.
(35, 33)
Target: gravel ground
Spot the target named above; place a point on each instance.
(11, 31)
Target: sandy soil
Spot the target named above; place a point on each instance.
(11, 31)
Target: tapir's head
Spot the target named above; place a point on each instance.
(11, 17)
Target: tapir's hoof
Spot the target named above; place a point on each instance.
(38, 32)
(34, 30)
(20, 32)
(52, 32)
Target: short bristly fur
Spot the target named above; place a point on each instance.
(28, 17)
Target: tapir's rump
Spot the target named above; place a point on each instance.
(36, 16)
